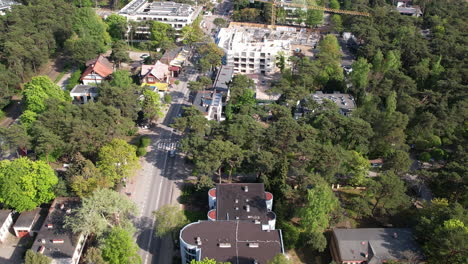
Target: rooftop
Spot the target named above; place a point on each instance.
(375, 244)
(26, 219)
(59, 242)
(243, 201)
(241, 242)
(101, 65)
(143, 7)
(7, 3)
(344, 101)
(84, 89)
(159, 70)
(224, 76)
(4, 215)
(204, 99)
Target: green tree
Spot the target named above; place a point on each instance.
(151, 105)
(315, 215)
(169, 219)
(36, 258)
(84, 178)
(38, 90)
(360, 74)
(94, 256)
(25, 184)
(103, 210)
(119, 52)
(195, 86)
(212, 56)
(8, 83)
(392, 61)
(191, 34)
(336, 22)
(118, 247)
(117, 160)
(377, 62)
(207, 261)
(120, 94)
(279, 259)
(239, 84)
(399, 162)
(358, 166)
(220, 22)
(116, 26)
(161, 33)
(334, 4)
(388, 192)
(312, 17)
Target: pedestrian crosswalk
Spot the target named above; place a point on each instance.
(167, 145)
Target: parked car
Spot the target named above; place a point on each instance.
(172, 153)
(144, 56)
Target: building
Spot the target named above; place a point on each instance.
(155, 76)
(210, 103)
(54, 240)
(376, 163)
(240, 227)
(345, 102)
(82, 94)
(6, 220)
(175, 14)
(374, 245)
(6, 5)
(242, 201)
(406, 8)
(97, 70)
(29, 223)
(223, 77)
(253, 50)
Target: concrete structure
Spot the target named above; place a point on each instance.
(25, 225)
(406, 8)
(223, 77)
(240, 242)
(155, 76)
(81, 94)
(210, 103)
(56, 241)
(374, 245)
(97, 70)
(175, 14)
(6, 220)
(6, 5)
(244, 208)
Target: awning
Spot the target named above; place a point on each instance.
(157, 86)
(174, 68)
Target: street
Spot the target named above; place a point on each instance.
(156, 184)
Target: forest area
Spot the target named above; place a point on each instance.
(411, 91)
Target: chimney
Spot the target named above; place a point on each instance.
(237, 200)
(50, 226)
(199, 241)
(43, 241)
(224, 245)
(62, 206)
(58, 241)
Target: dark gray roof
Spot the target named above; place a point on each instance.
(375, 244)
(224, 76)
(84, 89)
(232, 201)
(241, 235)
(3, 216)
(26, 219)
(202, 101)
(56, 217)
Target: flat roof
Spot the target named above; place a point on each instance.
(224, 76)
(84, 89)
(4, 215)
(344, 101)
(60, 208)
(26, 219)
(232, 201)
(163, 8)
(240, 242)
(379, 243)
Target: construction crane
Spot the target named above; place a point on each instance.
(313, 7)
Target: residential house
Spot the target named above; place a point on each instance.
(210, 103)
(82, 94)
(406, 7)
(345, 102)
(56, 241)
(240, 228)
(6, 220)
(155, 76)
(97, 70)
(374, 246)
(29, 223)
(224, 77)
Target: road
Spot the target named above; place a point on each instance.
(156, 184)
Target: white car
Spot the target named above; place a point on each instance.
(144, 56)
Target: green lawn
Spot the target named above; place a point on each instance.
(194, 216)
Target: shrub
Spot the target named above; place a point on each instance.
(167, 98)
(425, 156)
(438, 154)
(176, 82)
(73, 80)
(145, 141)
(291, 234)
(141, 151)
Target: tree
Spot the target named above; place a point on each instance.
(102, 210)
(38, 90)
(399, 162)
(84, 178)
(220, 22)
(281, 61)
(336, 23)
(8, 82)
(279, 259)
(94, 256)
(14, 137)
(212, 56)
(116, 26)
(388, 192)
(119, 52)
(25, 184)
(207, 261)
(315, 215)
(191, 34)
(334, 4)
(360, 75)
(358, 167)
(36, 258)
(118, 247)
(195, 86)
(168, 220)
(117, 160)
(151, 105)
(161, 33)
(239, 84)
(120, 94)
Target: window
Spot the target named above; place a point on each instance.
(150, 79)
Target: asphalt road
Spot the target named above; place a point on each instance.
(156, 186)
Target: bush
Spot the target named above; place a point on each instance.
(141, 151)
(425, 156)
(145, 141)
(167, 98)
(177, 82)
(438, 154)
(291, 234)
(73, 80)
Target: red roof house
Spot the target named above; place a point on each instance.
(97, 70)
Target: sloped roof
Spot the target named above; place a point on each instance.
(101, 65)
(159, 70)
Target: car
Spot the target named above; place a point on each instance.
(263, 82)
(144, 56)
(172, 153)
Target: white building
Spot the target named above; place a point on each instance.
(254, 50)
(175, 14)
(6, 221)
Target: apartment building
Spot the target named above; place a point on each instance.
(175, 14)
